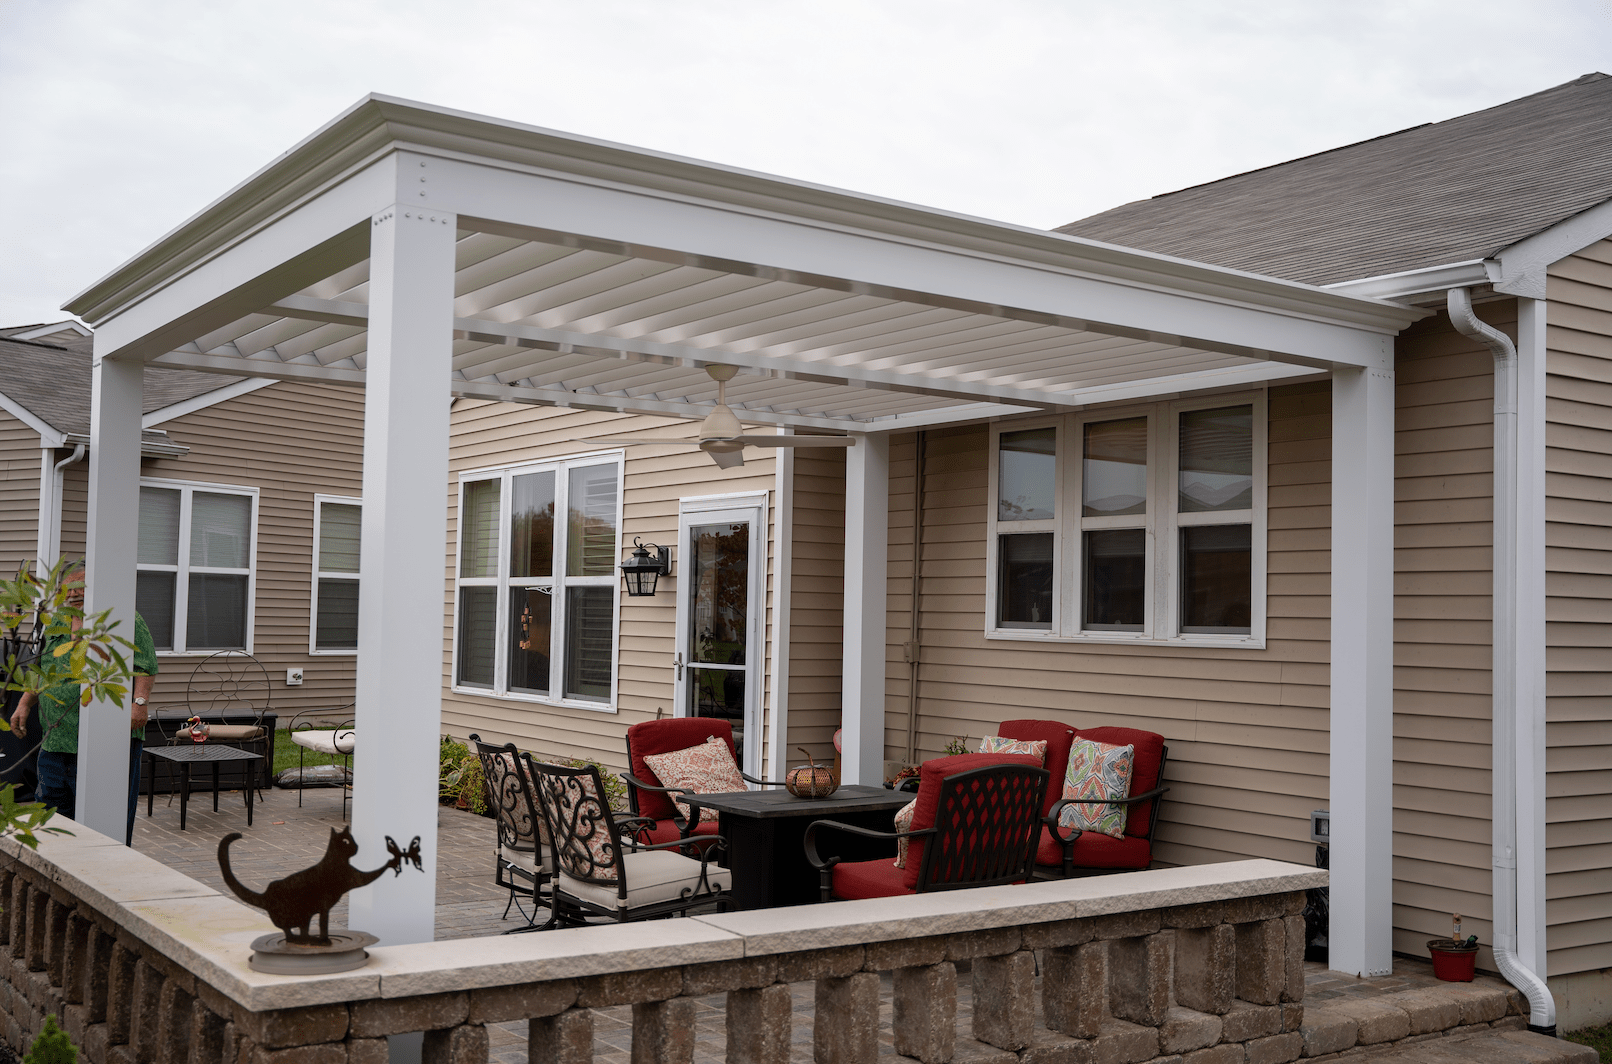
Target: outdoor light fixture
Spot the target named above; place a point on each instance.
(642, 569)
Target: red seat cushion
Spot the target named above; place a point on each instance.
(651, 737)
(666, 831)
(1144, 769)
(868, 879)
(1058, 736)
(929, 780)
(1096, 850)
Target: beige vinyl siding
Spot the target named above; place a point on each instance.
(19, 494)
(1443, 583)
(816, 603)
(486, 435)
(75, 507)
(290, 441)
(1578, 536)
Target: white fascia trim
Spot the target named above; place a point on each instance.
(1523, 265)
(48, 436)
(52, 329)
(203, 401)
(148, 448)
(1434, 280)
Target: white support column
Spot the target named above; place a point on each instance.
(1528, 650)
(114, 510)
(1362, 714)
(867, 549)
(399, 675)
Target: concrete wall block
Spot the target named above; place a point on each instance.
(175, 1007)
(368, 1051)
(1127, 925)
(94, 1044)
(991, 943)
(1221, 1054)
(1185, 1030)
(630, 988)
(1261, 961)
(1059, 933)
(1139, 971)
(73, 948)
(760, 1025)
(1206, 968)
(171, 970)
(719, 977)
(1257, 909)
(1004, 1000)
(1292, 1016)
(427, 1012)
(17, 910)
(1327, 1030)
(145, 1012)
(810, 965)
(7, 877)
(56, 915)
(1379, 1021)
(523, 1001)
(1277, 1049)
(1243, 1022)
(565, 1038)
(1057, 1049)
(663, 1032)
(34, 938)
(1203, 914)
(924, 1012)
(120, 992)
(72, 1021)
(208, 1031)
(98, 966)
(306, 1026)
(323, 1054)
(1124, 1043)
(845, 1028)
(904, 953)
(465, 1044)
(1293, 983)
(1074, 989)
(1480, 1004)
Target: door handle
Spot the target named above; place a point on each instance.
(677, 660)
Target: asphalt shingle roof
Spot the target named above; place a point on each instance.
(1444, 192)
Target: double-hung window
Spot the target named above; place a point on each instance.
(1144, 524)
(537, 581)
(337, 521)
(194, 582)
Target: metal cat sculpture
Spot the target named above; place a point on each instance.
(293, 902)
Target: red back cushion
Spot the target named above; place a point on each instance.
(1144, 769)
(1058, 736)
(663, 737)
(929, 778)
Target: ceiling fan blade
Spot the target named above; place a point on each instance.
(628, 441)
(727, 459)
(795, 441)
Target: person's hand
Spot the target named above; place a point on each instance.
(138, 715)
(19, 722)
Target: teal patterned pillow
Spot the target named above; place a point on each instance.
(1097, 773)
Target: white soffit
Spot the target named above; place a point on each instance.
(602, 277)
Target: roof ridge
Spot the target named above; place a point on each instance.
(36, 343)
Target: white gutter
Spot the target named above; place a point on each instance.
(50, 503)
(1511, 774)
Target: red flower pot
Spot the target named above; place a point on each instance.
(1452, 963)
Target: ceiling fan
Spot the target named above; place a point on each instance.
(721, 435)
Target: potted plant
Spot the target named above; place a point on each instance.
(1455, 959)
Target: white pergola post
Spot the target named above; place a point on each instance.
(399, 675)
(867, 549)
(1362, 714)
(114, 516)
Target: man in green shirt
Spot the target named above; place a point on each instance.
(59, 705)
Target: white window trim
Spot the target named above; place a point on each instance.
(313, 596)
(183, 568)
(500, 688)
(1162, 523)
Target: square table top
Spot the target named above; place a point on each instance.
(778, 802)
(201, 752)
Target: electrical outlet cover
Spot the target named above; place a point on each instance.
(293, 677)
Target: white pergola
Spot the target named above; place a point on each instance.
(422, 253)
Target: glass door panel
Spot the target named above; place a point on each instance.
(718, 630)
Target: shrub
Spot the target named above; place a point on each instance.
(52, 1046)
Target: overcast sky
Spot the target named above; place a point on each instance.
(119, 119)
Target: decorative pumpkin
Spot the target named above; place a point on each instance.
(811, 780)
(198, 730)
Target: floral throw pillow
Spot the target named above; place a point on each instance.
(704, 769)
(1097, 772)
(904, 823)
(997, 744)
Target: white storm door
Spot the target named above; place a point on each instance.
(721, 606)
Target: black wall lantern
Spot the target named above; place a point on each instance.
(642, 568)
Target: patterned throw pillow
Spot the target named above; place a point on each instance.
(704, 769)
(904, 823)
(1097, 771)
(997, 744)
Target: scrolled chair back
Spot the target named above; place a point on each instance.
(580, 823)
(514, 800)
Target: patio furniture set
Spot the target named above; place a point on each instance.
(1042, 800)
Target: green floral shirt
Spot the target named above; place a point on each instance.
(58, 706)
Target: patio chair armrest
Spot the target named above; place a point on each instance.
(821, 863)
(638, 784)
(1051, 821)
(765, 783)
(1133, 799)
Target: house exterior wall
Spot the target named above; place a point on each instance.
(1578, 536)
(19, 494)
(486, 435)
(817, 601)
(291, 441)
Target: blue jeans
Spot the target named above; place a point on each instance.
(135, 747)
(58, 784)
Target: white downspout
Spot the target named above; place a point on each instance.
(1506, 764)
(50, 507)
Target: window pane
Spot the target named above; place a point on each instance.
(1027, 475)
(719, 589)
(216, 617)
(478, 529)
(338, 537)
(1216, 583)
(1115, 580)
(336, 626)
(220, 531)
(531, 533)
(589, 634)
(154, 602)
(531, 618)
(1217, 459)
(1114, 476)
(591, 530)
(159, 526)
(1024, 594)
(478, 630)
(719, 693)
